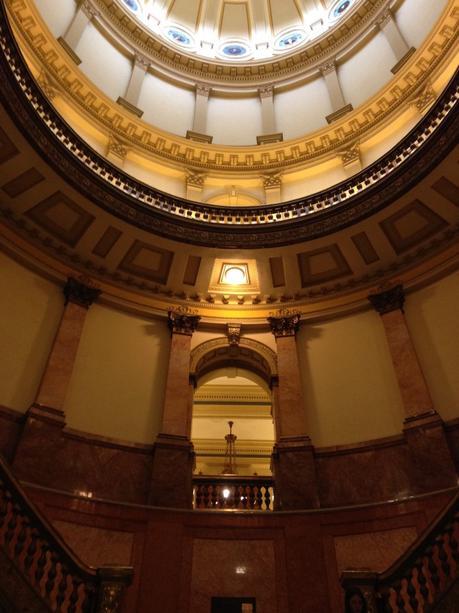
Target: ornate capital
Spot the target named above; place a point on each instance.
(80, 293)
(195, 179)
(266, 92)
(141, 60)
(424, 97)
(328, 67)
(182, 321)
(350, 154)
(233, 332)
(117, 147)
(89, 9)
(272, 181)
(383, 18)
(389, 300)
(284, 324)
(202, 89)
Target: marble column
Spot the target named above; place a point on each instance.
(431, 462)
(173, 457)
(85, 12)
(45, 419)
(335, 93)
(131, 98)
(293, 457)
(397, 43)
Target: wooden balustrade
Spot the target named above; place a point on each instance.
(48, 566)
(237, 493)
(419, 580)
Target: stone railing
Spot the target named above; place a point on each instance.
(419, 580)
(221, 493)
(59, 579)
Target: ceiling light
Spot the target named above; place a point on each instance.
(234, 274)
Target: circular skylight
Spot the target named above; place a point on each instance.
(340, 8)
(179, 36)
(234, 50)
(133, 5)
(290, 39)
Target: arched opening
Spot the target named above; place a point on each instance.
(233, 383)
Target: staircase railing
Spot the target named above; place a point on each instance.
(418, 581)
(45, 562)
(222, 492)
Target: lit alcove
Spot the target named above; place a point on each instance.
(244, 398)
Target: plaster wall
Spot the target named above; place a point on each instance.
(166, 105)
(414, 29)
(30, 311)
(234, 121)
(119, 376)
(57, 21)
(96, 54)
(349, 384)
(432, 316)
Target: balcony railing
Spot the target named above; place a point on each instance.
(58, 578)
(221, 493)
(420, 579)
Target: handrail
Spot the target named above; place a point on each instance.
(223, 492)
(267, 225)
(419, 579)
(48, 565)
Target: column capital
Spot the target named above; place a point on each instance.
(81, 293)
(383, 18)
(266, 92)
(388, 300)
(141, 60)
(202, 89)
(284, 324)
(182, 322)
(328, 67)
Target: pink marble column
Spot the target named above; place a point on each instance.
(293, 457)
(173, 456)
(432, 466)
(45, 419)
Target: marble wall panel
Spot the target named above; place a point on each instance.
(373, 550)
(233, 568)
(97, 546)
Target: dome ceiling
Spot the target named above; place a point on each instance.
(239, 31)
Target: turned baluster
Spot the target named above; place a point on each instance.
(422, 580)
(74, 596)
(411, 590)
(62, 587)
(251, 496)
(433, 570)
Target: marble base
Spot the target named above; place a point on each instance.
(294, 473)
(431, 461)
(40, 444)
(172, 472)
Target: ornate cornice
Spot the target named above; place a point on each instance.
(388, 300)
(170, 149)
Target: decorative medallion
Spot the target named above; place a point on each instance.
(340, 8)
(289, 39)
(179, 36)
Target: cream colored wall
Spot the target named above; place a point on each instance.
(58, 21)
(166, 105)
(119, 377)
(350, 389)
(433, 319)
(234, 121)
(30, 311)
(293, 108)
(415, 30)
(96, 54)
(367, 71)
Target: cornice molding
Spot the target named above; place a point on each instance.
(168, 149)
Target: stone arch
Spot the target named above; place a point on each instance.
(249, 354)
